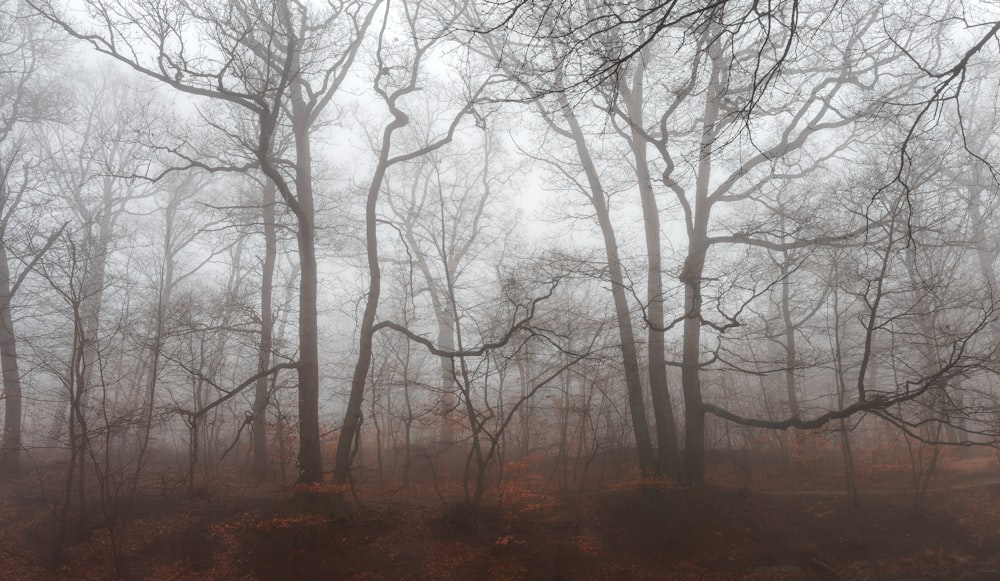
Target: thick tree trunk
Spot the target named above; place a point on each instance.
(446, 341)
(694, 415)
(10, 450)
(310, 456)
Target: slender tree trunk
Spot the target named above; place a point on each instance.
(352, 417)
(791, 349)
(987, 247)
(987, 251)
(841, 378)
(692, 277)
(523, 362)
(562, 459)
(630, 360)
(791, 353)
(165, 291)
(373, 415)
(407, 400)
(266, 331)
(663, 411)
(92, 298)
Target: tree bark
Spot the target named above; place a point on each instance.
(663, 412)
(694, 415)
(791, 353)
(630, 360)
(310, 456)
(400, 119)
(10, 450)
(692, 279)
(352, 417)
(260, 395)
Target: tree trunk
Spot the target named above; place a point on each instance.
(352, 417)
(97, 246)
(165, 291)
(446, 340)
(663, 412)
(692, 278)
(841, 380)
(310, 456)
(266, 332)
(791, 353)
(10, 450)
(694, 415)
(633, 383)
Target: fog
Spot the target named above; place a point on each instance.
(484, 258)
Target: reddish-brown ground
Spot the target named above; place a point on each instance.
(743, 525)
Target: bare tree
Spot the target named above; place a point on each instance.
(88, 163)
(907, 289)
(398, 71)
(729, 127)
(281, 63)
(479, 370)
(261, 390)
(26, 72)
(447, 215)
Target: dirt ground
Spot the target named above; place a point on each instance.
(736, 527)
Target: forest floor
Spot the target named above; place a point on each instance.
(753, 525)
